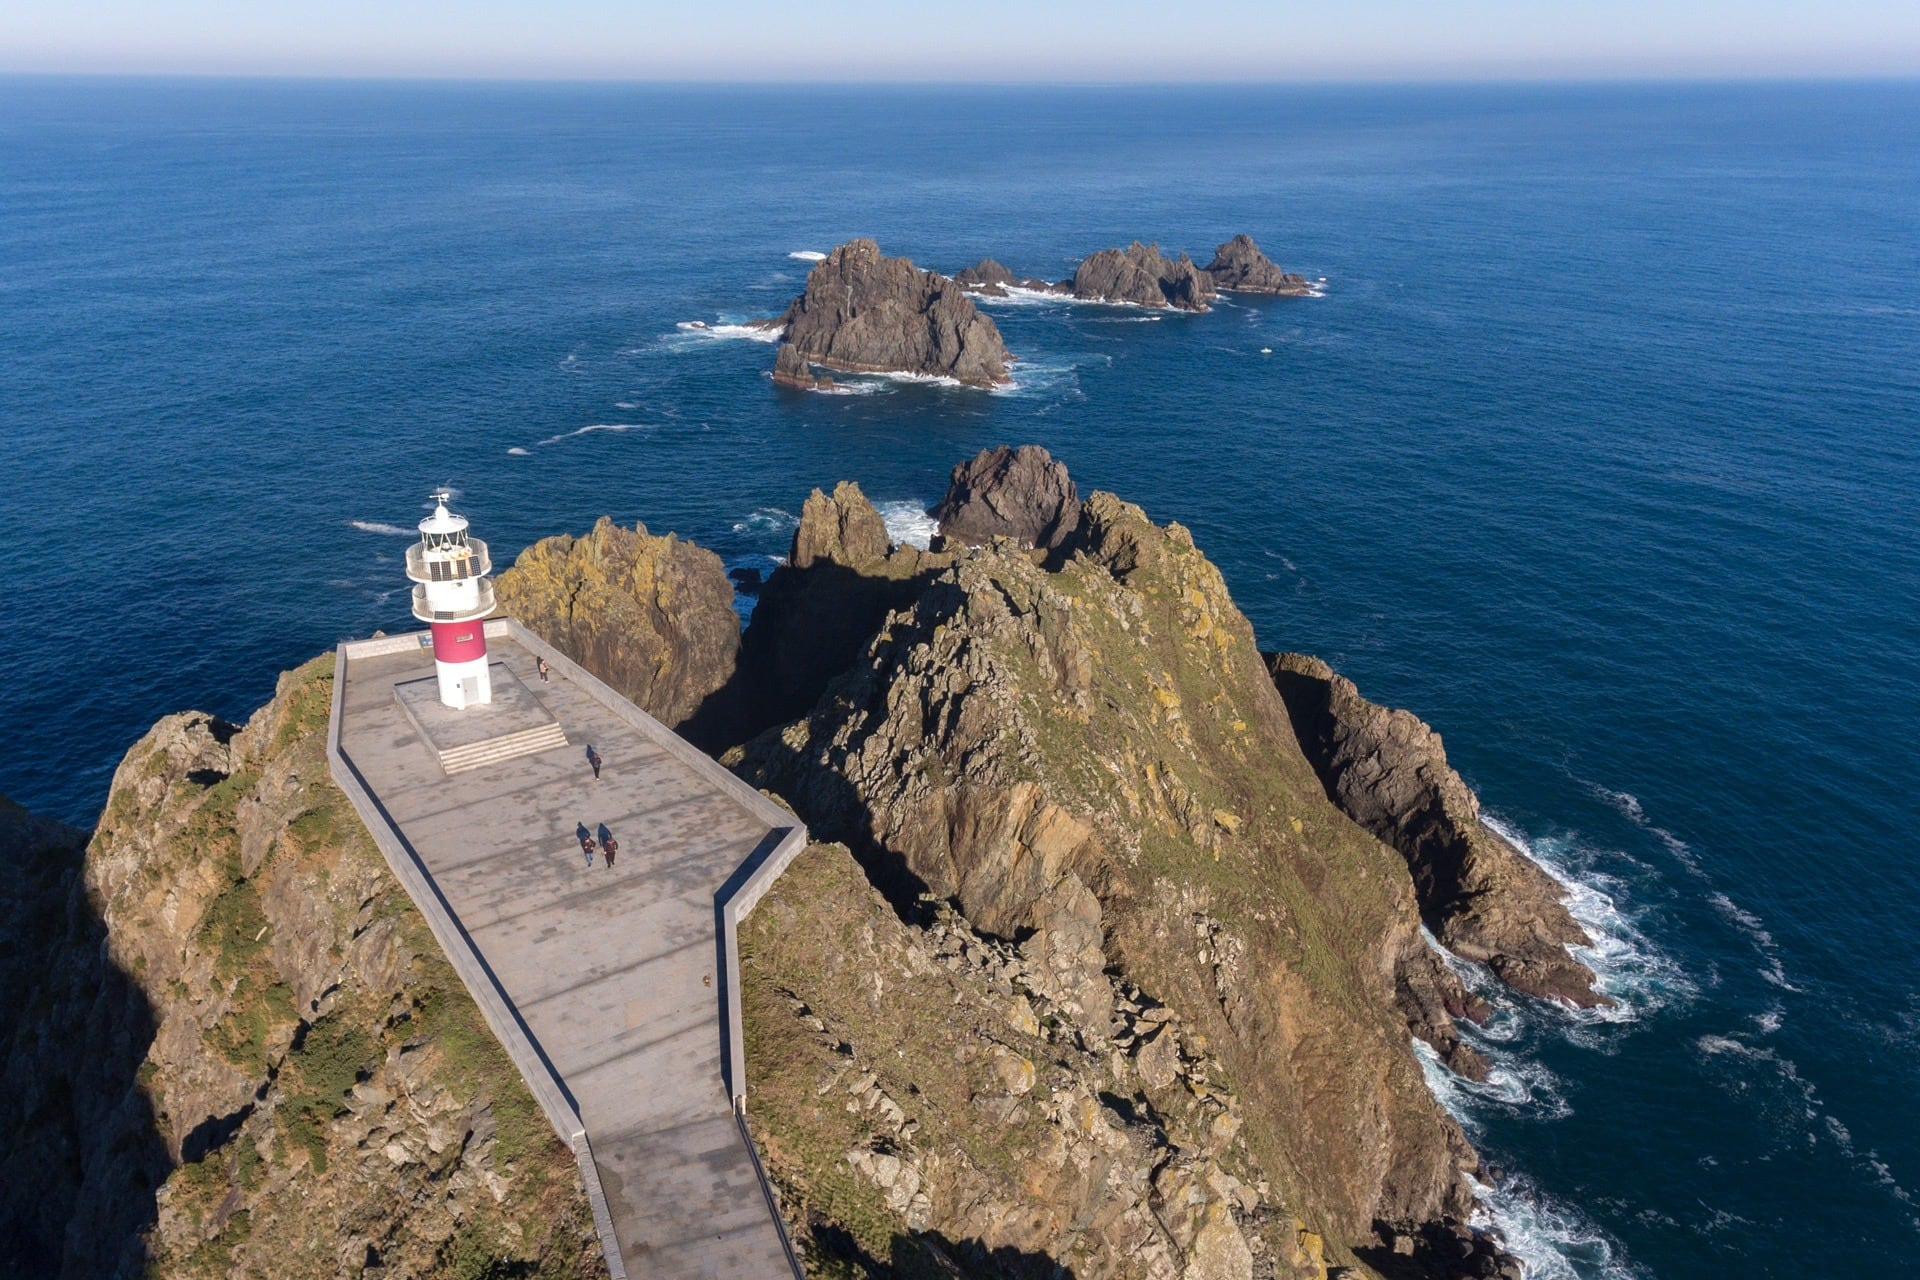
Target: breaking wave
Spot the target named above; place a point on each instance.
(722, 331)
(518, 452)
(1628, 968)
(908, 522)
(808, 255)
(1553, 1240)
(767, 522)
(381, 526)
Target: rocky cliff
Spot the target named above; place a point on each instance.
(863, 312)
(1483, 899)
(1093, 767)
(817, 612)
(1240, 266)
(1140, 274)
(233, 1048)
(652, 616)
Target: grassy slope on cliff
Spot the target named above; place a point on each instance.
(327, 1097)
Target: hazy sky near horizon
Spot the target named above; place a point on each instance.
(984, 40)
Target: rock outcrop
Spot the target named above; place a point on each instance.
(1094, 769)
(242, 1052)
(652, 616)
(863, 312)
(816, 612)
(1239, 265)
(1142, 275)
(1482, 898)
(992, 280)
(1020, 493)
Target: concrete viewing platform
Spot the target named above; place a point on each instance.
(614, 989)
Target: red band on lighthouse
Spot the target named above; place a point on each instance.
(459, 641)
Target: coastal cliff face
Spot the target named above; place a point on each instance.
(240, 1052)
(1094, 768)
(1483, 899)
(652, 616)
(863, 312)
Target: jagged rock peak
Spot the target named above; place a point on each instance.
(863, 312)
(1482, 898)
(843, 529)
(652, 616)
(1239, 265)
(1004, 492)
(1142, 275)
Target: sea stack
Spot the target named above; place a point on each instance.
(863, 312)
(1239, 266)
(1140, 274)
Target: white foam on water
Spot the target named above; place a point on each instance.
(1628, 968)
(725, 332)
(1750, 925)
(598, 426)
(1628, 806)
(381, 526)
(808, 255)
(907, 522)
(1813, 1110)
(841, 388)
(767, 522)
(1552, 1239)
(518, 452)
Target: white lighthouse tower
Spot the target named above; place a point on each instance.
(452, 595)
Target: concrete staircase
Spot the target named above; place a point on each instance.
(505, 747)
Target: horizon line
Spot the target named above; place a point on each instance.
(1380, 80)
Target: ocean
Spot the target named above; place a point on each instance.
(1600, 451)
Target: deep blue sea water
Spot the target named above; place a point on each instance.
(1601, 452)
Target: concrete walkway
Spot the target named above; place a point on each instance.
(616, 983)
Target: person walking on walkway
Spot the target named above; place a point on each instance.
(593, 758)
(610, 847)
(544, 669)
(586, 843)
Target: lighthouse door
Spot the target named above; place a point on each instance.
(469, 691)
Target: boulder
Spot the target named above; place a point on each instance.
(1142, 275)
(1481, 897)
(1239, 265)
(863, 312)
(652, 616)
(1020, 493)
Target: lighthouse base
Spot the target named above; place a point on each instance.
(512, 724)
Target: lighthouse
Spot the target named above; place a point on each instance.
(452, 595)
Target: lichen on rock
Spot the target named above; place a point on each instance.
(651, 615)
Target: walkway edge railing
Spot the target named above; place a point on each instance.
(542, 1081)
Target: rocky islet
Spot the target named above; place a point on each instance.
(864, 312)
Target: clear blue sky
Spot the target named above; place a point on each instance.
(1073, 40)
